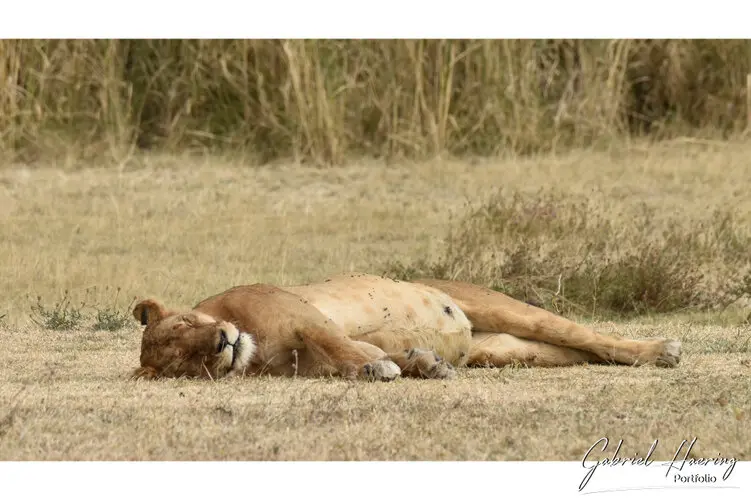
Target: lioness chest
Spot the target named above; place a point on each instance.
(361, 304)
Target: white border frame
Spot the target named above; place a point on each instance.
(376, 19)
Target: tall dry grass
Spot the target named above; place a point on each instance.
(327, 100)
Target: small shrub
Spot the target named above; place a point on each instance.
(570, 255)
(62, 316)
(111, 318)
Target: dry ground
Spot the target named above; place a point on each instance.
(182, 228)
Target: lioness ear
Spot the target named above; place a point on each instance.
(149, 310)
(144, 372)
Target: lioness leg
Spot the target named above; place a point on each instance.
(423, 352)
(491, 311)
(283, 323)
(500, 349)
(414, 362)
(350, 358)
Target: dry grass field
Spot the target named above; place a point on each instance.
(181, 228)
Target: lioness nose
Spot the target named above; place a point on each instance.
(223, 340)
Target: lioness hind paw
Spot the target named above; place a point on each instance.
(382, 370)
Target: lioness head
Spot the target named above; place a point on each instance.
(189, 344)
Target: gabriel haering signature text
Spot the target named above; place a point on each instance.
(676, 465)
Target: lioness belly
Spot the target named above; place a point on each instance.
(392, 314)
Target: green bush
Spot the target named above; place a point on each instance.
(580, 256)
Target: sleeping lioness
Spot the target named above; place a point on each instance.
(363, 326)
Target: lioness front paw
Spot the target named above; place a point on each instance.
(669, 354)
(442, 370)
(382, 369)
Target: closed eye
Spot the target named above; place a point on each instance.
(223, 342)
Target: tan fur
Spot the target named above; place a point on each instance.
(359, 325)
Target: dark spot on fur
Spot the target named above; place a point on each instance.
(448, 311)
(327, 280)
